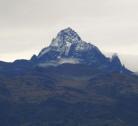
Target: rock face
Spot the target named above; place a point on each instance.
(68, 47)
(69, 44)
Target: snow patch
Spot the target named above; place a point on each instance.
(68, 45)
(83, 46)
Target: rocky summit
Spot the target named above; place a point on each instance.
(68, 47)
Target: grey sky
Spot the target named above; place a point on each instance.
(26, 26)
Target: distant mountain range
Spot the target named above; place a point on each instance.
(69, 83)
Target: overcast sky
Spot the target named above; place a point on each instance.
(26, 26)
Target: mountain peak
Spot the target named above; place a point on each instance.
(115, 60)
(69, 32)
(68, 45)
(67, 35)
(68, 29)
(68, 42)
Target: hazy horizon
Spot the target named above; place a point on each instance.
(30, 25)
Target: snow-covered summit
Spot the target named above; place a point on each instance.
(65, 37)
(68, 47)
(64, 41)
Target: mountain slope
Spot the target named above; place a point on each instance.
(69, 94)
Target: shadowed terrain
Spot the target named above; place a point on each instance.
(69, 95)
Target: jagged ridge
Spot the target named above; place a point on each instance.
(68, 47)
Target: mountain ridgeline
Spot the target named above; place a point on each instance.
(69, 83)
(68, 47)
